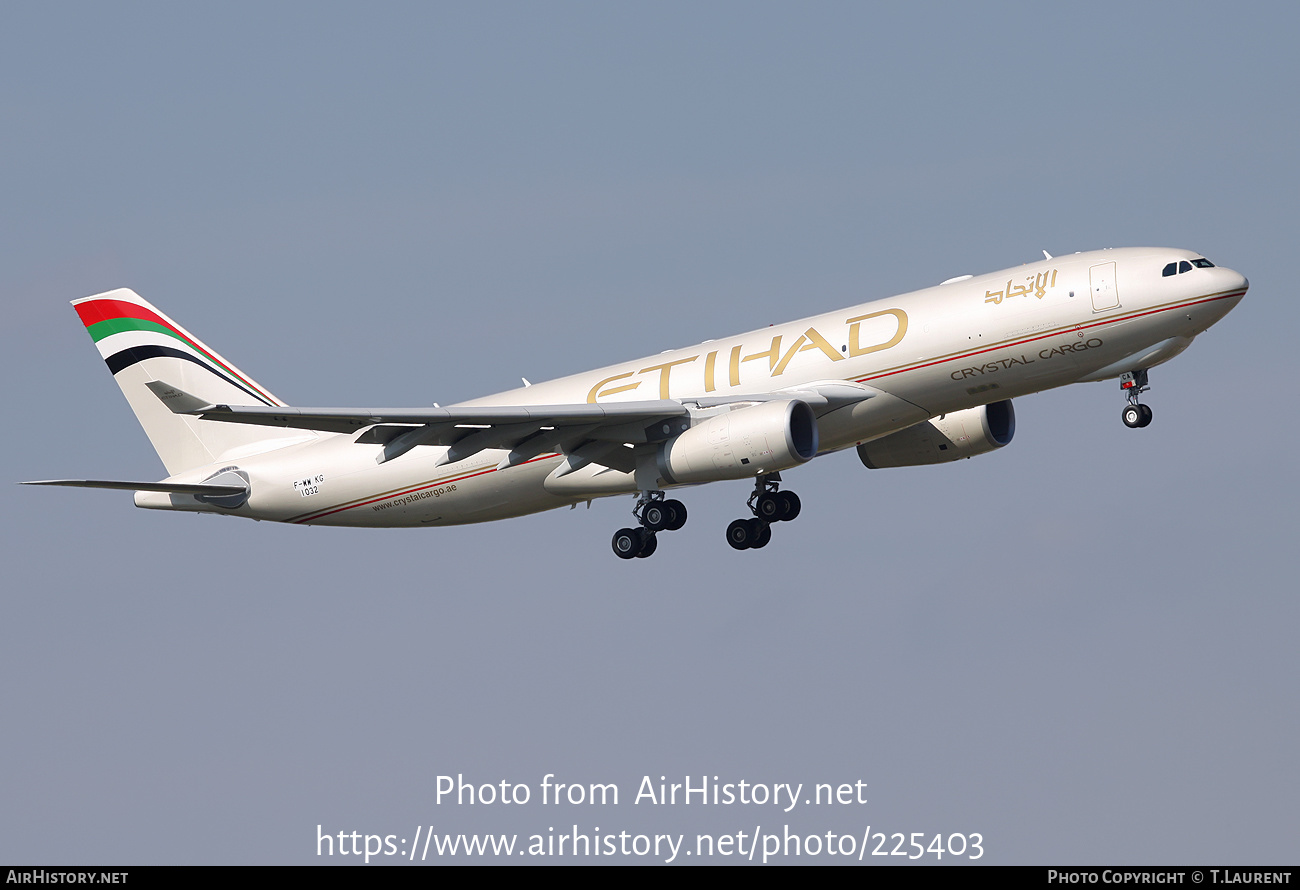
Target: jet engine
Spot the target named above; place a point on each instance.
(945, 438)
(742, 443)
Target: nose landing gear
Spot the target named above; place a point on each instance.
(1134, 383)
(768, 504)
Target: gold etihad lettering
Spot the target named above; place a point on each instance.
(663, 373)
(855, 324)
(809, 339)
(1037, 286)
(778, 361)
(773, 355)
(596, 390)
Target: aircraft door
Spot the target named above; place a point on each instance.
(1102, 280)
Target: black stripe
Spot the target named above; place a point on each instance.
(119, 361)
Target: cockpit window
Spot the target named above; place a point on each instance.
(1179, 268)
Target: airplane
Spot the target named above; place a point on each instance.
(927, 377)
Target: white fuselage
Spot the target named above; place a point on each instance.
(927, 353)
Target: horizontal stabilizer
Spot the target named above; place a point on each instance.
(195, 488)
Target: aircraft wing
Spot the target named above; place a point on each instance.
(348, 420)
(607, 433)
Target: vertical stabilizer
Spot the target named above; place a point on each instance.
(140, 344)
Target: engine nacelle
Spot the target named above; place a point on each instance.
(942, 439)
(741, 444)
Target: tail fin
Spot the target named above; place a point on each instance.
(141, 345)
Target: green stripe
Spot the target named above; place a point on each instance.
(101, 329)
(107, 328)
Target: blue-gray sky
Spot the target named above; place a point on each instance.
(1081, 646)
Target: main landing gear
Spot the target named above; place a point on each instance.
(1134, 383)
(654, 515)
(769, 505)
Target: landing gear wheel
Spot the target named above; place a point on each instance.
(649, 541)
(627, 543)
(656, 517)
(678, 511)
(790, 505)
(768, 504)
(1133, 384)
(768, 507)
(738, 534)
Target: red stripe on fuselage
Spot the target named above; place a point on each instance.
(1065, 330)
(407, 491)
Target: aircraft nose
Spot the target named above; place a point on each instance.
(1236, 281)
(1234, 286)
